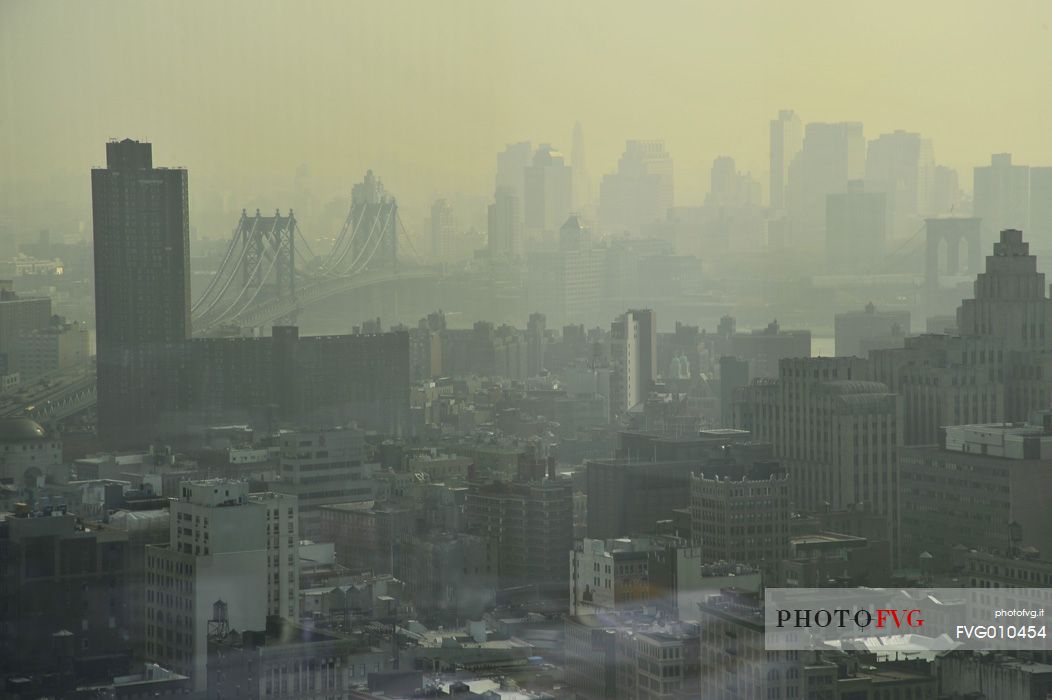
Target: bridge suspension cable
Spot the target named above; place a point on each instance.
(412, 248)
(252, 275)
(343, 243)
(338, 267)
(227, 312)
(376, 246)
(893, 258)
(306, 244)
(219, 271)
(226, 285)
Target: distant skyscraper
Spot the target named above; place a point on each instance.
(376, 215)
(443, 230)
(944, 194)
(787, 138)
(582, 185)
(856, 227)
(548, 195)
(142, 288)
(535, 330)
(1041, 204)
(902, 166)
(505, 225)
(832, 155)
(1001, 197)
(729, 188)
(723, 178)
(641, 191)
(511, 166)
(566, 284)
(734, 374)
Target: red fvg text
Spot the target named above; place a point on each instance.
(881, 618)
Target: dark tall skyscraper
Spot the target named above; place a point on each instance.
(142, 288)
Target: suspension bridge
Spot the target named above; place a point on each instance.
(269, 274)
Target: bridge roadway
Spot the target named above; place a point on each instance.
(318, 289)
(53, 396)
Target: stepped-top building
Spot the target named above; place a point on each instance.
(838, 424)
(999, 367)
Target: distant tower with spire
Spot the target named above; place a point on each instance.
(582, 186)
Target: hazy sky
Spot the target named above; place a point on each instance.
(426, 93)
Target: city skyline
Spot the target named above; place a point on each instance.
(698, 113)
(525, 351)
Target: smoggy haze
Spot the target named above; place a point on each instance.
(427, 93)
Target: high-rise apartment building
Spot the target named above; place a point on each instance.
(901, 166)
(742, 520)
(532, 524)
(443, 230)
(142, 288)
(19, 315)
(321, 468)
(832, 155)
(633, 351)
(582, 184)
(312, 381)
(535, 341)
(730, 188)
(226, 546)
(1001, 196)
(641, 191)
(511, 166)
(566, 284)
(856, 228)
(1041, 204)
(58, 347)
(835, 431)
(504, 225)
(734, 374)
(787, 138)
(547, 190)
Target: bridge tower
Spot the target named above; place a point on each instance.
(260, 235)
(259, 268)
